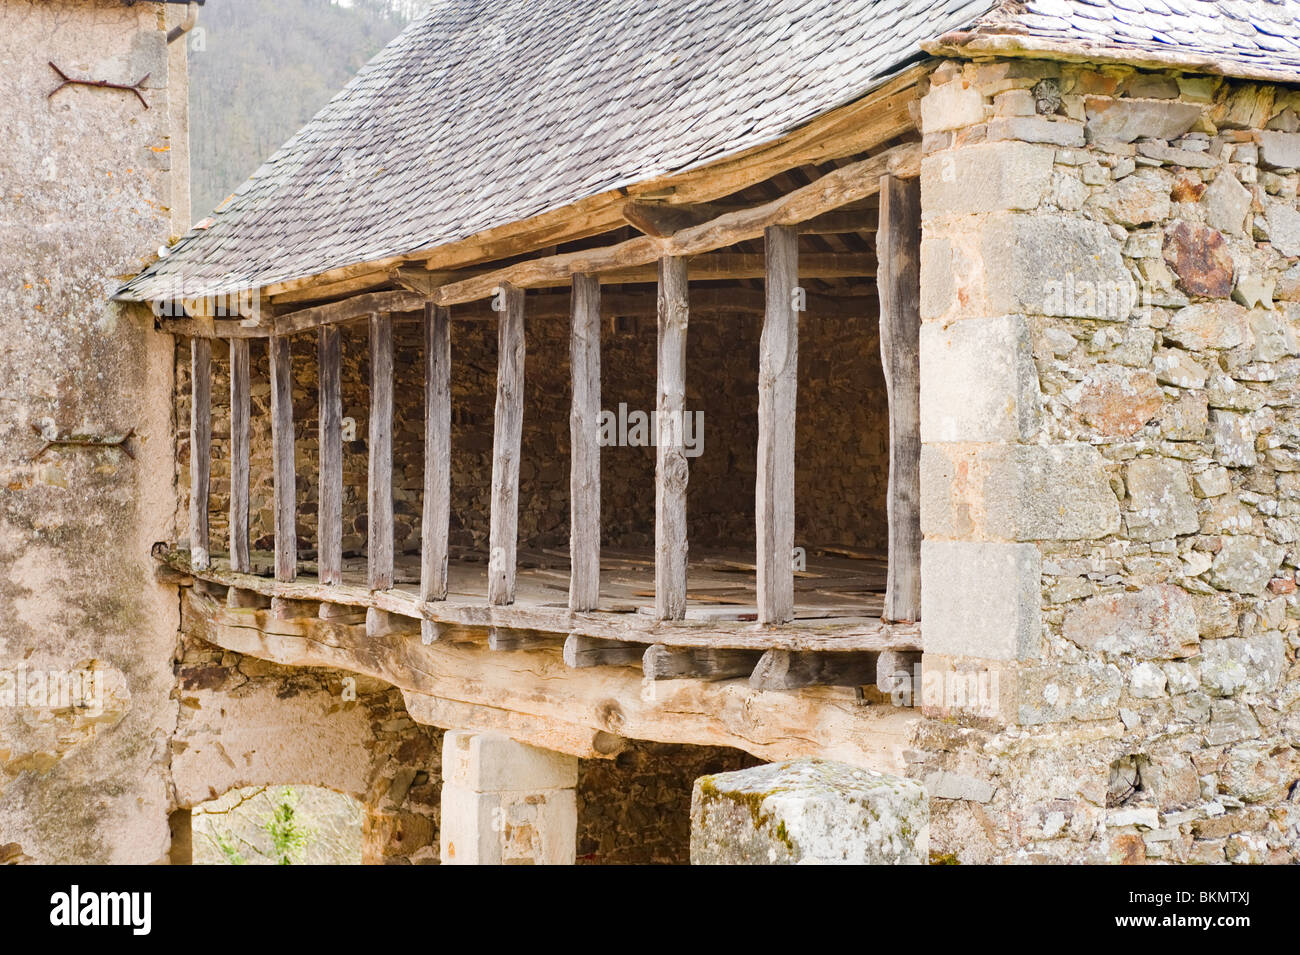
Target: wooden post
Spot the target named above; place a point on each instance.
(200, 449)
(437, 453)
(671, 471)
(282, 451)
(379, 552)
(778, 382)
(329, 515)
(239, 438)
(898, 249)
(584, 439)
(506, 443)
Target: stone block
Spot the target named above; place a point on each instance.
(1016, 492)
(1234, 439)
(1173, 366)
(1057, 694)
(951, 106)
(508, 828)
(1226, 203)
(961, 581)
(1124, 120)
(1208, 325)
(1245, 564)
(1160, 503)
(493, 762)
(1200, 258)
(1133, 201)
(1282, 226)
(1157, 622)
(810, 811)
(1117, 402)
(1037, 129)
(1236, 664)
(979, 381)
(1279, 150)
(990, 177)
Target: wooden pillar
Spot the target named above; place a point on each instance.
(898, 251)
(329, 515)
(584, 439)
(671, 471)
(778, 383)
(379, 551)
(507, 438)
(282, 451)
(239, 439)
(200, 449)
(437, 453)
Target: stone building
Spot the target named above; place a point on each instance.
(456, 410)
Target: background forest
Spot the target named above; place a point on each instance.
(259, 69)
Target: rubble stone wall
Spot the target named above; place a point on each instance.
(1111, 464)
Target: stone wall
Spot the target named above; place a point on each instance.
(247, 722)
(635, 809)
(1111, 428)
(90, 183)
(842, 463)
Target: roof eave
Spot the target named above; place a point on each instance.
(969, 44)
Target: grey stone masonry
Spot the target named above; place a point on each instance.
(807, 812)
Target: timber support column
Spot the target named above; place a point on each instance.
(505, 803)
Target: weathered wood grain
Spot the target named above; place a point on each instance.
(507, 437)
(282, 454)
(435, 518)
(789, 670)
(778, 383)
(584, 443)
(329, 518)
(379, 549)
(671, 467)
(899, 248)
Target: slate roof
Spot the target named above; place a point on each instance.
(486, 112)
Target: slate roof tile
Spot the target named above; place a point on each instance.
(484, 113)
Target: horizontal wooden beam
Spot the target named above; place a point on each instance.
(661, 219)
(846, 184)
(718, 266)
(458, 681)
(828, 636)
(354, 309)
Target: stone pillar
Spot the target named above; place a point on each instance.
(998, 478)
(505, 803)
(809, 811)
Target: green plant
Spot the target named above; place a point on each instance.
(289, 839)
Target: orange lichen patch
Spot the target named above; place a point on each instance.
(161, 149)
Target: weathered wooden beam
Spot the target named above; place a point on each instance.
(704, 301)
(828, 723)
(678, 663)
(355, 309)
(723, 266)
(250, 599)
(507, 437)
(584, 443)
(211, 328)
(379, 547)
(671, 467)
(282, 455)
(581, 651)
(847, 184)
(510, 638)
(838, 636)
(329, 519)
(790, 670)
(285, 608)
(661, 219)
(200, 449)
(434, 520)
(899, 248)
(778, 383)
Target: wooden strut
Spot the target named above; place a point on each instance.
(118, 441)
